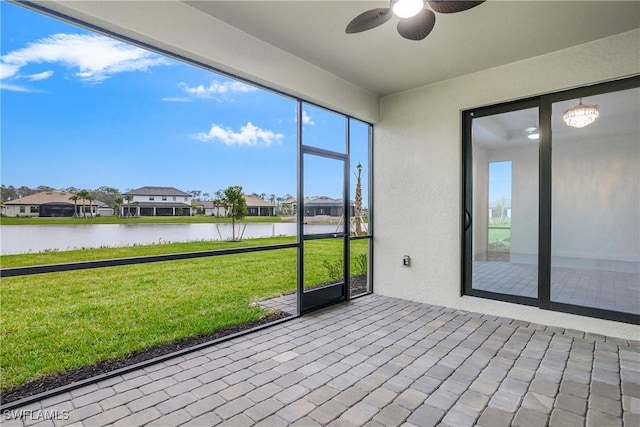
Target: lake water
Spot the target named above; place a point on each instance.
(16, 239)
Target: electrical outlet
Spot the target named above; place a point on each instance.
(406, 260)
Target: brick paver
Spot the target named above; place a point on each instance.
(375, 361)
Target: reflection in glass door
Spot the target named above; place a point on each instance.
(551, 208)
(595, 233)
(503, 210)
(325, 216)
(499, 224)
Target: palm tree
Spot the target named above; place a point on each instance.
(117, 204)
(128, 198)
(90, 198)
(358, 207)
(75, 205)
(83, 194)
(137, 205)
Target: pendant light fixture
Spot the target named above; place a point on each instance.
(581, 115)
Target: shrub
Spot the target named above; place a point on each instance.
(334, 269)
(361, 264)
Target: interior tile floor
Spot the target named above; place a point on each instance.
(608, 290)
(374, 361)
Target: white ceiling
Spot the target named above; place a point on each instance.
(382, 62)
(619, 113)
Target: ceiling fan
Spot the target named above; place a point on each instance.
(416, 21)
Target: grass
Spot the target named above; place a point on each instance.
(197, 219)
(59, 321)
(59, 257)
(499, 238)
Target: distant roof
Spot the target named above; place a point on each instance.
(323, 200)
(252, 201)
(50, 197)
(257, 202)
(206, 204)
(156, 191)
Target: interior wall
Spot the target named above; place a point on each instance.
(417, 180)
(600, 180)
(480, 202)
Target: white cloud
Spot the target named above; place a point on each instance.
(14, 88)
(40, 76)
(94, 58)
(306, 119)
(249, 135)
(8, 70)
(176, 99)
(216, 88)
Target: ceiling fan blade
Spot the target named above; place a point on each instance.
(368, 20)
(448, 6)
(418, 27)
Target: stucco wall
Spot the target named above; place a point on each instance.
(417, 158)
(14, 210)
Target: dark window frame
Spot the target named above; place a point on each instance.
(52, 268)
(20, 271)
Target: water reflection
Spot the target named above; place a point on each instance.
(23, 239)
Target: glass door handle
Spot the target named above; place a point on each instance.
(467, 220)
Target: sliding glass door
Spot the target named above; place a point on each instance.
(595, 213)
(551, 210)
(505, 203)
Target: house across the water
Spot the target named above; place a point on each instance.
(51, 204)
(156, 201)
(256, 206)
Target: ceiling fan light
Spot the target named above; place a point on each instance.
(581, 115)
(407, 8)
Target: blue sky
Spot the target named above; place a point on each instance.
(83, 110)
(499, 181)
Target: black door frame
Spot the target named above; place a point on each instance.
(544, 104)
(331, 294)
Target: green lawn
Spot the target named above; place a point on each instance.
(60, 257)
(59, 321)
(499, 239)
(5, 220)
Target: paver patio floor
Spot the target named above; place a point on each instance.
(609, 290)
(373, 361)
